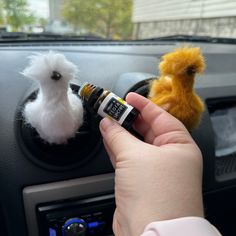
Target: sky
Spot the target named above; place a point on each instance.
(40, 8)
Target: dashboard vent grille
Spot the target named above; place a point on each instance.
(76, 152)
(225, 165)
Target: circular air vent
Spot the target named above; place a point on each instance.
(75, 152)
(141, 87)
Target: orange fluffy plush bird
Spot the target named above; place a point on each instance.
(174, 90)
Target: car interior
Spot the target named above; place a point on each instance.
(45, 188)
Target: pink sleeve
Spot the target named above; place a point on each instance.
(186, 226)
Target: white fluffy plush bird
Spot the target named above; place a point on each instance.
(56, 113)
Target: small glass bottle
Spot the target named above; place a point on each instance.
(107, 104)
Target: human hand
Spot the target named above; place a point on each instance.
(158, 179)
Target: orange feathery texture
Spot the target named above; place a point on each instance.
(174, 90)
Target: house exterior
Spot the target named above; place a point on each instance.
(156, 18)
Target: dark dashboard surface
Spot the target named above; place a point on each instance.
(105, 64)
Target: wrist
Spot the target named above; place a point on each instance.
(143, 214)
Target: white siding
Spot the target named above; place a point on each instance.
(158, 10)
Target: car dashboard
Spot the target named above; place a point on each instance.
(45, 188)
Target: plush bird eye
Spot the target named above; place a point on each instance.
(191, 70)
(56, 75)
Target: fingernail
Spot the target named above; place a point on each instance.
(106, 123)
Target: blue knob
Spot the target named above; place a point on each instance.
(74, 227)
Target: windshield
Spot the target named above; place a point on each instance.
(119, 19)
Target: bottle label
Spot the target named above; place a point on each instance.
(114, 107)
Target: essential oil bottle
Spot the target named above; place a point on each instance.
(107, 104)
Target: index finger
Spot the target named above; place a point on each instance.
(156, 118)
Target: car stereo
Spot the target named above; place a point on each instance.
(83, 217)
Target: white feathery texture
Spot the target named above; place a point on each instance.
(56, 113)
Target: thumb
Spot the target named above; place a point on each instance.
(116, 137)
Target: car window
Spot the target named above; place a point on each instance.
(120, 20)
